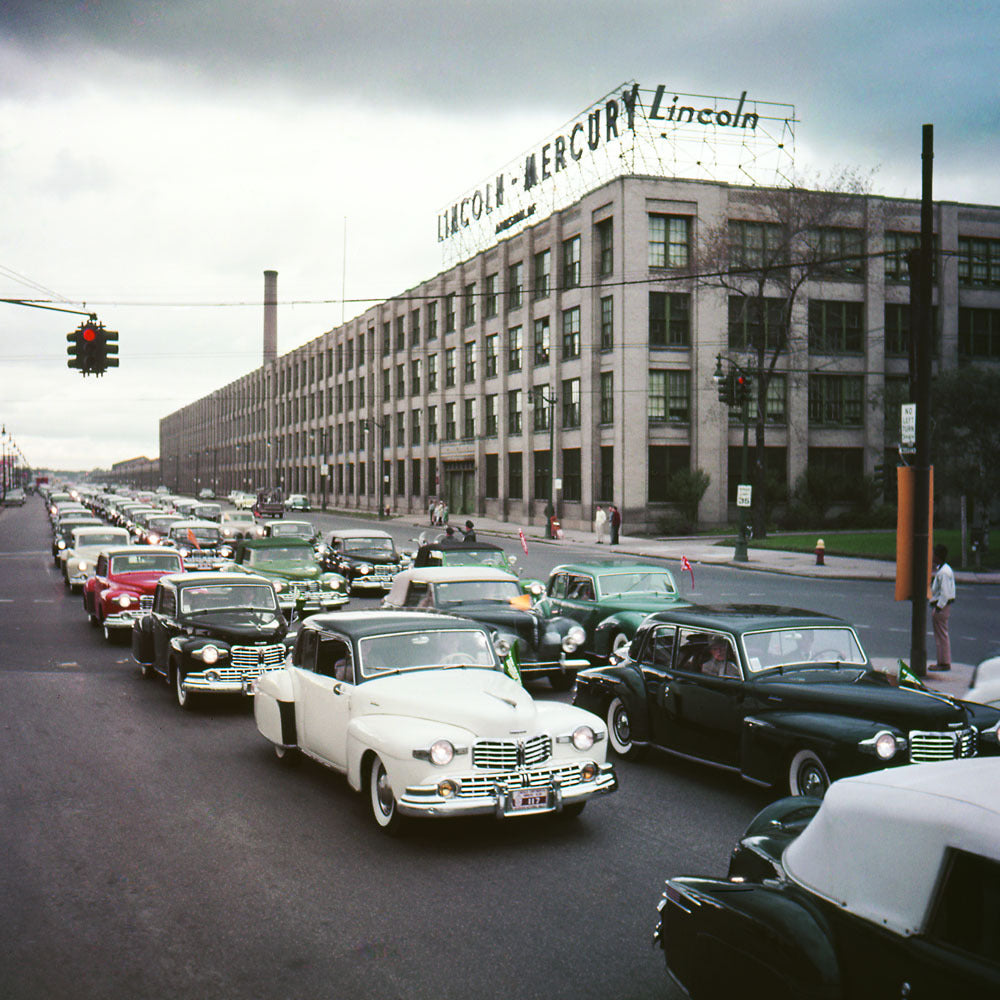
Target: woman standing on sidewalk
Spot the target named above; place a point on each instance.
(616, 524)
(600, 524)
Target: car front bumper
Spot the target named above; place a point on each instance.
(542, 668)
(123, 619)
(372, 582)
(495, 794)
(313, 601)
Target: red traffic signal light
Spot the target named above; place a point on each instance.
(89, 347)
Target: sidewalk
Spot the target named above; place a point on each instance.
(704, 550)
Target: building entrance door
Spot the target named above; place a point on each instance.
(460, 487)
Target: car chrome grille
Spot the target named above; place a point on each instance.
(506, 755)
(942, 745)
(252, 658)
(475, 785)
(146, 603)
(304, 587)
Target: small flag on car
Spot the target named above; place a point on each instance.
(524, 543)
(686, 567)
(908, 677)
(192, 539)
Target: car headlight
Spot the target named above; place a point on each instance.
(82, 566)
(536, 589)
(184, 552)
(502, 646)
(154, 539)
(574, 639)
(583, 737)
(334, 584)
(442, 752)
(364, 569)
(447, 789)
(885, 745)
(60, 544)
(208, 654)
(279, 586)
(124, 601)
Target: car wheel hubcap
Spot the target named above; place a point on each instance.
(811, 781)
(620, 725)
(383, 792)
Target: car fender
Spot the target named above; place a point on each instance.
(274, 707)
(769, 739)
(394, 738)
(742, 939)
(142, 640)
(597, 687)
(621, 621)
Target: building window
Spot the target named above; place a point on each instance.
(841, 468)
(669, 319)
(669, 396)
(490, 416)
(515, 285)
(839, 252)
(469, 301)
(836, 400)
(432, 372)
(541, 341)
(607, 398)
(414, 427)
(491, 299)
(415, 328)
(492, 478)
(386, 341)
(835, 327)
(607, 323)
(664, 461)
(469, 359)
(605, 247)
(469, 421)
(669, 240)
(401, 430)
(432, 320)
(449, 367)
(449, 312)
(571, 402)
(415, 377)
(543, 475)
(776, 403)
(515, 475)
(897, 249)
(339, 398)
(978, 333)
(571, 333)
(748, 330)
(415, 477)
(539, 409)
(543, 274)
(450, 429)
(400, 333)
(571, 262)
(432, 424)
(400, 381)
(978, 263)
(514, 411)
(754, 244)
(571, 478)
(606, 480)
(514, 349)
(491, 355)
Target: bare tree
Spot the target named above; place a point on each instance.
(773, 243)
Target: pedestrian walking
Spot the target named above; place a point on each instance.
(615, 517)
(600, 524)
(942, 598)
(432, 509)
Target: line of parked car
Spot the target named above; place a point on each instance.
(422, 705)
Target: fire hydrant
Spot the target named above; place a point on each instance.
(820, 551)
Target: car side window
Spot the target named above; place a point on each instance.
(965, 913)
(334, 659)
(558, 585)
(659, 649)
(102, 566)
(167, 602)
(418, 596)
(580, 588)
(305, 649)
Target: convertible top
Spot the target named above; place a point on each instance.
(928, 807)
(359, 624)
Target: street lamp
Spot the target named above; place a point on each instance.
(735, 389)
(367, 423)
(540, 397)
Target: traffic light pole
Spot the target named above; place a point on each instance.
(735, 387)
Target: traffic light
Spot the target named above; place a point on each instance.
(741, 388)
(109, 355)
(92, 349)
(74, 349)
(727, 389)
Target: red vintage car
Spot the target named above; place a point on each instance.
(122, 588)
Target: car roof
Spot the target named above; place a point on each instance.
(132, 550)
(898, 823)
(276, 543)
(83, 532)
(200, 579)
(360, 533)
(607, 565)
(453, 574)
(745, 617)
(359, 624)
(287, 520)
(194, 523)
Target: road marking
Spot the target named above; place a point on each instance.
(43, 600)
(6, 600)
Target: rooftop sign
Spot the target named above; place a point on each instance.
(631, 131)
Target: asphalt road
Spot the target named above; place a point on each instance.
(150, 852)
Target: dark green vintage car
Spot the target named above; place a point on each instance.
(783, 697)
(609, 598)
(446, 552)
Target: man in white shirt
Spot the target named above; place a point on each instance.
(942, 598)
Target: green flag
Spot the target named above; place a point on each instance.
(510, 667)
(907, 676)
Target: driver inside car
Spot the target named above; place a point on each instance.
(719, 660)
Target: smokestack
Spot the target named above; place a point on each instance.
(270, 317)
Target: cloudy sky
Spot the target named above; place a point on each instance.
(156, 157)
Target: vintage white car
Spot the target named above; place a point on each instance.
(79, 559)
(417, 711)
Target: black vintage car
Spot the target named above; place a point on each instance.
(365, 557)
(887, 887)
(210, 633)
(542, 646)
(781, 696)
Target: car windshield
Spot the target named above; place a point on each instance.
(646, 581)
(472, 557)
(142, 563)
(161, 523)
(240, 515)
(197, 537)
(375, 544)
(292, 531)
(230, 596)
(401, 651)
(91, 541)
(789, 647)
(460, 591)
(283, 554)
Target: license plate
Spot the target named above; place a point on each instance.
(529, 798)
